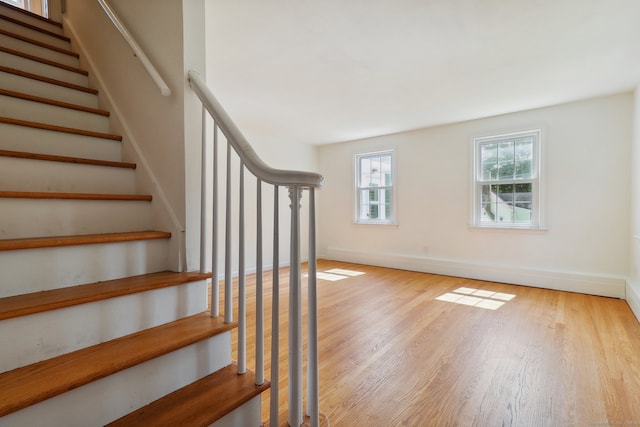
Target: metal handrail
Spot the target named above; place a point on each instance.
(284, 178)
(137, 51)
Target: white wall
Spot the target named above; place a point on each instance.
(167, 129)
(194, 59)
(275, 154)
(55, 10)
(157, 130)
(586, 163)
(633, 284)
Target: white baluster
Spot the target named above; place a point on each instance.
(228, 284)
(259, 289)
(295, 314)
(295, 181)
(203, 194)
(313, 388)
(275, 315)
(215, 280)
(242, 276)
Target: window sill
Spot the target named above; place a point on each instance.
(509, 227)
(377, 224)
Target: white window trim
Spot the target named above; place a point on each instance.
(393, 221)
(538, 221)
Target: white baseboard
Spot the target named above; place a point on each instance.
(633, 297)
(593, 284)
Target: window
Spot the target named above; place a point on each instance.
(507, 173)
(374, 188)
(16, 3)
(39, 7)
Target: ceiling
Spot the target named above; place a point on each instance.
(317, 72)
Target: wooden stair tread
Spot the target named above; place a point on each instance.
(37, 302)
(31, 14)
(53, 102)
(44, 61)
(65, 159)
(34, 27)
(31, 384)
(39, 43)
(193, 405)
(47, 80)
(72, 196)
(85, 239)
(63, 129)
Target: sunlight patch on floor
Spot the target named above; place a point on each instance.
(344, 272)
(477, 298)
(328, 276)
(335, 274)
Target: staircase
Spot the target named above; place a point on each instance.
(93, 328)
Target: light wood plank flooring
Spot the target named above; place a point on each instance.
(391, 354)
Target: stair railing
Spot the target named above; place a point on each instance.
(297, 182)
(137, 51)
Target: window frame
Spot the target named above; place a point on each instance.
(16, 3)
(536, 180)
(392, 220)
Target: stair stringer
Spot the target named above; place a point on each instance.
(164, 215)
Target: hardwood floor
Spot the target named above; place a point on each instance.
(393, 355)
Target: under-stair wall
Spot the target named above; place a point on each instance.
(160, 133)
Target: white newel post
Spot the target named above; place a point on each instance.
(295, 313)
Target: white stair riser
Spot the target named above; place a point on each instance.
(32, 140)
(249, 414)
(29, 86)
(60, 177)
(110, 398)
(35, 67)
(39, 51)
(15, 14)
(33, 270)
(27, 218)
(56, 332)
(35, 35)
(22, 109)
